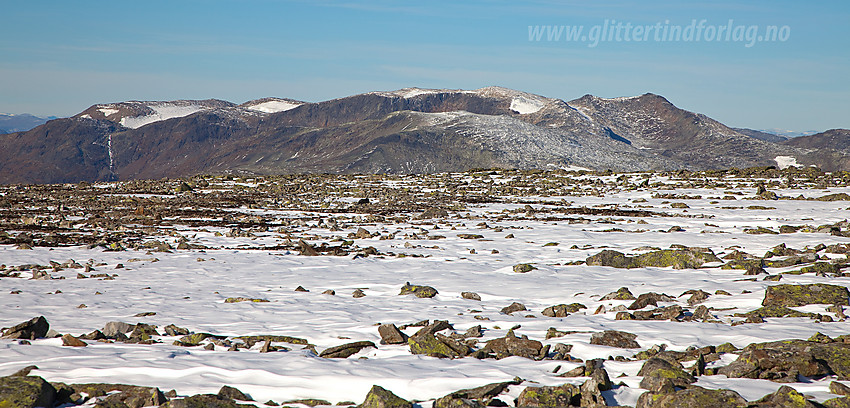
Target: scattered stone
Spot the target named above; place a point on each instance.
(301, 289)
(130, 396)
(418, 291)
(346, 350)
(563, 310)
(621, 294)
(510, 345)
(470, 295)
(783, 361)
(390, 334)
(614, 338)
(523, 268)
(71, 341)
(244, 299)
(329, 292)
(513, 307)
(357, 293)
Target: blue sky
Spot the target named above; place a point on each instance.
(57, 58)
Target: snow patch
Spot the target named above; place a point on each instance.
(785, 162)
(162, 111)
(108, 111)
(274, 106)
(86, 116)
(524, 106)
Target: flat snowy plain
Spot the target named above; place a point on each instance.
(188, 288)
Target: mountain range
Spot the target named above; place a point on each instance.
(20, 123)
(410, 130)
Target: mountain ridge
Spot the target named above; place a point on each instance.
(410, 130)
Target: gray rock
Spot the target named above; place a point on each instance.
(32, 329)
(390, 334)
(346, 350)
(614, 338)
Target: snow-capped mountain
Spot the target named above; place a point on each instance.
(410, 130)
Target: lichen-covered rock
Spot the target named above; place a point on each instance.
(840, 402)
(26, 392)
(776, 311)
(552, 396)
(130, 395)
(801, 295)
(621, 294)
(473, 397)
(418, 290)
(659, 373)
(614, 338)
(692, 397)
(523, 268)
(563, 310)
(783, 361)
(437, 345)
(379, 397)
(610, 257)
(227, 391)
(204, 401)
(784, 397)
(346, 350)
(32, 329)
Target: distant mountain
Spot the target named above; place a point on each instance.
(836, 139)
(760, 135)
(20, 123)
(410, 130)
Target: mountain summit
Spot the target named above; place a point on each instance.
(410, 130)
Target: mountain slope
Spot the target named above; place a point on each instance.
(410, 130)
(758, 134)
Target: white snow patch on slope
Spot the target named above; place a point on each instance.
(785, 162)
(273, 106)
(524, 106)
(163, 111)
(108, 111)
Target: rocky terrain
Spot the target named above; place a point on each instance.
(722, 288)
(408, 131)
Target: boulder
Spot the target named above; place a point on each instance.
(112, 329)
(801, 295)
(692, 396)
(227, 391)
(614, 338)
(130, 395)
(621, 294)
(567, 395)
(390, 334)
(26, 392)
(513, 307)
(660, 374)
(784, 397)
(379, 397)
(32, 329)
(783, 361)
(437, 345)
(473, 397)
(510, 345)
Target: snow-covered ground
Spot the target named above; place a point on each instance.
(188, 288)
